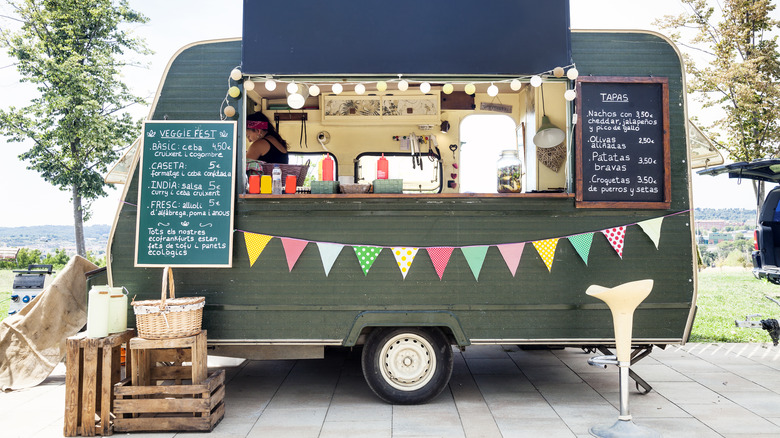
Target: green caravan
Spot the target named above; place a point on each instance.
(525, 163)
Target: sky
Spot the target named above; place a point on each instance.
(26, 199)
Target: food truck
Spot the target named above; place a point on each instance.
(525, 162)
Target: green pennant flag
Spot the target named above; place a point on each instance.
(475, 256)
(581, 243)
(366, 256)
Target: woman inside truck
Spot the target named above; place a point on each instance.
(265, 144)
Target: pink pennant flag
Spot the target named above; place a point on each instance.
(440, 256)
(293, 249)
(616, 237)
(511, 253)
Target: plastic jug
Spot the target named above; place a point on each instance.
(97, 312)
(117, 310)
(276, 181)
(381, 168)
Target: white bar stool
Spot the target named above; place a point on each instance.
(622, 301)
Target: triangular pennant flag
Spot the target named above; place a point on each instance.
(366, 256)
(616, 237)
(652, 227)
(440, 256)
(511, 253)
(404, 258)
(546, 249)
(293, 249)
(255, 244)
(581, 243)
(475, 256)
(328, 253)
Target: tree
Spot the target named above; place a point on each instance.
(741, 75)
(73, 52)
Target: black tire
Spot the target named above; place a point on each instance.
(407, 365)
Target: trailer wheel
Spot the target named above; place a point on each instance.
(407, 365)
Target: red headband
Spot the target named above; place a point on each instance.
(253, 124)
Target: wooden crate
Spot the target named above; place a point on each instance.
(169, 408)
(92, 367)
(147, 355)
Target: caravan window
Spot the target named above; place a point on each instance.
(423, 175)
(483, 137)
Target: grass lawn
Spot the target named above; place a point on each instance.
(728, 295)
(6, 285)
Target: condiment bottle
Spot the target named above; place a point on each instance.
(97, 312)
(381, 168)
(276, 180)
(265, 184)
(327, 168)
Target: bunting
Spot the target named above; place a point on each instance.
(652, 227)
(366, 256)
(328, 253)
(511, 253)
(475, 257)
(404, 257)
(581, 244)
(616, 237)
(440, 256)
(293, 249)
(255, 244)
(546, 249)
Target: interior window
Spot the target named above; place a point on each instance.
(483, 137)
(313, 159)
(421, 173)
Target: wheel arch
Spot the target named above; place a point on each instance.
(428, 318)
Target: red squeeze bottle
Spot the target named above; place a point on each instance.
(327, 168)
(254, 184)
(381, 167)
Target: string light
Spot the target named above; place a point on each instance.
(292, 87)
(558, 72)
(235, 74)
(570, 95)
(381, 86)
(536, 81)
(234, 92)
(337, 88)
(572, 74)
(360, 89)
(425, 87)
(515, 85)
(403, 85)
(270, 85)
(314, 90)
(249, 85)
(447, 88)
(492, 90)
(229, 111)
(470, 88)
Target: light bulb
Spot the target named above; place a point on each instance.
(492, 90)
(558, 72)
(572, 74)
(381, 86)
(403, 85)
(229, 111)
(235, 74)
(337, 88)
(234, 92)
(536, 80)
(296, 101)
(292, 87)
(470, 88)
(447, 88)
(360, 88)
(270, 85)
(570, 95)
(425, 87)
(249, 85)
(314, 90)
(515, 85)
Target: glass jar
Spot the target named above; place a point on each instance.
(510, 172)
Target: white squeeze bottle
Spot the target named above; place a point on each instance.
(276, 180)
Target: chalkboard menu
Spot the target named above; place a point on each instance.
(185, 194)
(622, 150)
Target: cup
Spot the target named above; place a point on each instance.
(254, 183)
(290, 184)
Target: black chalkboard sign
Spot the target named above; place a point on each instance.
(622, 150)
(185, 194)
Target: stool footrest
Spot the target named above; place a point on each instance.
(603, 361)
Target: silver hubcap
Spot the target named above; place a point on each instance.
(407, 362)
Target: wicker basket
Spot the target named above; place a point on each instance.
(299, 170)
(168, 318)
(355, 188)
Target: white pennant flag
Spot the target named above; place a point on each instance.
(652, 227)
(328, 253)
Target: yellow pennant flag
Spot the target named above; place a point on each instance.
(255, 244)
(546, 249)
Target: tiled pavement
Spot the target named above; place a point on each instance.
(700, 390)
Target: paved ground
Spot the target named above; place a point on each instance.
(700, 390)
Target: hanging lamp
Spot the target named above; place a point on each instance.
(548, 135)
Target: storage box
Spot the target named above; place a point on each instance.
(169, 408)
(388, 186)
(324, 187)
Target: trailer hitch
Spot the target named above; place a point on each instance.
(771, 325)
